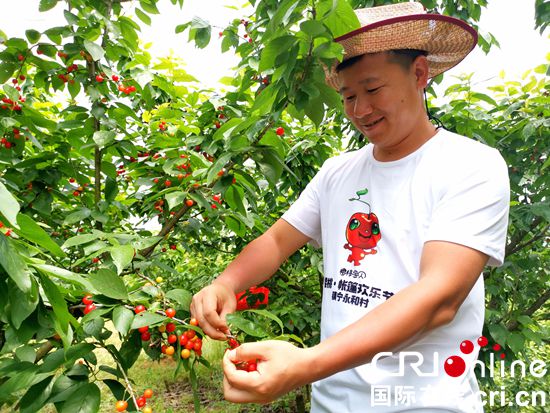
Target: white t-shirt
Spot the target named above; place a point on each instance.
(372, 219)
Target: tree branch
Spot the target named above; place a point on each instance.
(519, 235)
(514, 324)
(521, 245)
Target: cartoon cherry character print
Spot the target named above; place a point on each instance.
(362, 233)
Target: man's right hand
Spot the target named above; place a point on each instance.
(210, 306)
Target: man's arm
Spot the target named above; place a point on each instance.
(256, 263)
(447, 274)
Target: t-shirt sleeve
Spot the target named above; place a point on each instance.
(473, 209)
(305, 213)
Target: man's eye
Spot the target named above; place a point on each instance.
(373, 90)
(349, 97)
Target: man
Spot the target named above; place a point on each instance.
(406, 223)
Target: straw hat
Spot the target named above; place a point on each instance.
(407, 26)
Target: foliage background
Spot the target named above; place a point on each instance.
(84, 163)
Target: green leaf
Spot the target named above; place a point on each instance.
(103, 138)
(237, 321)
(86, 400)
(26, 353)
(24, 378)
(273, 49)
(9, 207)
(122, 319)
(35, 398)
(14, 265)
(122, 256)
(106, 282)
(149, 6)
(77, 216)
(147, 319)
(70, 17)
(63, 388)
(33, 36)
(34, 233)
(21, 306)
(95, 50)
(270, 164)
(143, 17)
(338, 16)
(46, 5)
(516, 342)
(175, 198)
(57, 301)
(65, 275)
(6, 71)
(181, 297)
(265, 99)
(312, 27)
(217, 166)
(234, 198)
(267, 314)
(79, 240)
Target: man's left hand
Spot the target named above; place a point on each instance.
(281, 368)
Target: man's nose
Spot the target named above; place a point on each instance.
(362, 107)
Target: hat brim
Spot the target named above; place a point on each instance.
(446, 40)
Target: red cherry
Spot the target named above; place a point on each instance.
(76, 193)
(90, 307)
(20, 57)
(170, 312)
(189, 202)
(190, 334)
(87, 299)
(217, 125)
(280, 131)
(167, 183)
(172, 338)
(183, 340)
(252, 366)
(22, 77)
(496, 347)
(173, 247)
(189, 345)
(146, 336)
(143, 329)
(95, 260)
(170, 327)
(148, 393)
(214, 206)
(115, 78)
(141, 401)
(99, 78)
(233, 343)
(139, 309)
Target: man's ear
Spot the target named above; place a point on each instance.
(420, 67)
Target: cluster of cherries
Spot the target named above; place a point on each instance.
(5, 142)
(122, 405)
(250, 365)
(8, 103)
(89, 303)
(77, 191)
(189, 341)
(127, 90)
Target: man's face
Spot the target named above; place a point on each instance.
(383, 100)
